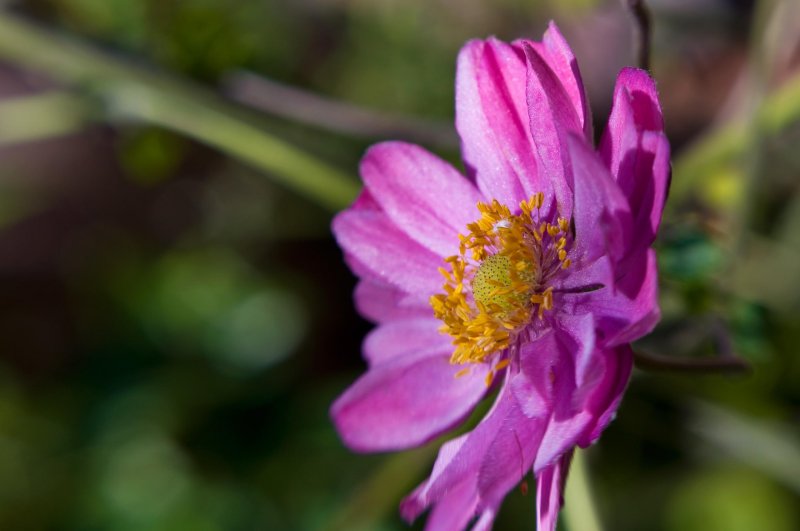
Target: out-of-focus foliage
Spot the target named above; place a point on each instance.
(177, 319)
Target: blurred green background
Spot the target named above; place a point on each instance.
(176, 318)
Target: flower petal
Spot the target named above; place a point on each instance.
(636, 150)
(492, 120)
(377, 250)
(628, 312)
(380, 302)
(405, 403)
(602, 215)
(455, 510)
(555, 50)
(609, 395)
(552, 119)
(497, 453)
(423, 195)
(550, 485)
(405, 338)
(585, 385)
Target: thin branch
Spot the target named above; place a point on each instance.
(642, 31)
(340, 117)
(718, 364)
(131, 92)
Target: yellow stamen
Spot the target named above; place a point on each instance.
(462, 372)
(496, 285)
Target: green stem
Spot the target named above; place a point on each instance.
(579, 510)
(134, 93)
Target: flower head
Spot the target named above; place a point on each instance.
(530, 276)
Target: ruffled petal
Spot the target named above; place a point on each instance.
(492, 120)
(502, 448)
(377, 250)
(607, 397)
(417, 501)
(491, 459)
(573, 391)
(455, 510)
(555, 50)
(552, 118)
(601, 214)
(636, 151)
(550, 485)
(405, 403)
(568, 416)
(423, 195)
(627, 312)
(585, 384)
(418, 337)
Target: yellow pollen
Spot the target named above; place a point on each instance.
(497, 284)
(462, 372)
(502, 364)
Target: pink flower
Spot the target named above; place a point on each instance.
(545, 276)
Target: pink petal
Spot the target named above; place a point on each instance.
(423, 195)
(552, 119)
(455, 510)
(584, 389)
(602, 215)
(569, 416)
(503, 447)
(405, 403)
(404, 338)
(619, 362)
(577, 388)
(492, 120)
(377, 250)
(380, 302)
(628, 312)
(636, 150)
(550, 485)
(497, 453)
(485, 520)
(555, 50)
(416, 502)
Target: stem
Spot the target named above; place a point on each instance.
(337, 116)
(32, 117)
(642, 31)
(580, 513)
(134, 93)
(720, 364)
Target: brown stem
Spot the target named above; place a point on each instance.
(719, 364)
(642, 31)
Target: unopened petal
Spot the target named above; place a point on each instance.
(636, 151)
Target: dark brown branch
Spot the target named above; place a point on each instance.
(718, 364)
(642, 31)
